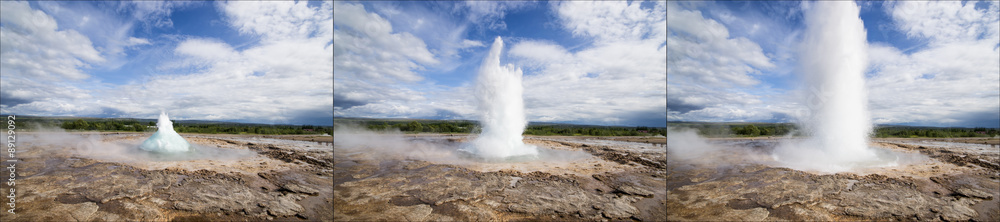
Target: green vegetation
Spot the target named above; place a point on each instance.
(936, 132)
(574, 130)
(234, 128)
(106, 125)
(412, 126)
(135, 125)
(716, 130)
(465, 126)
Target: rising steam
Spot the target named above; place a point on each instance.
(501, 109)
(833, 59)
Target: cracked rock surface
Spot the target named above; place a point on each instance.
(410, 189)
(60, 185)
(952, 185)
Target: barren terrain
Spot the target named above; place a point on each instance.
(586, 179)
(273, 179)
(956, 182)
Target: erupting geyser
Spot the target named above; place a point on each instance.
(165, 140)
(833, 60)
(501, 109)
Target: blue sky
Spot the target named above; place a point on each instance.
(260, 62)
(930, 63)
(598, 63)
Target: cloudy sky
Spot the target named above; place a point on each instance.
(584, 62)
(930, 63)
(261, 62)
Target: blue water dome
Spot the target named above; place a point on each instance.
(165, 140)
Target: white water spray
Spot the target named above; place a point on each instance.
(165, 140)
(833, 60)
(501, 109)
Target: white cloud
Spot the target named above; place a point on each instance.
(703, 51)
(40, 62)
(489, 13)
(274, 81)
(133, 41)
(367, 48)
(153, 13)
(711, 73)
(376, 68)
(281, 80)
(610, 22)
(618, 80)
(471, 43)
(279, 20)
(33, 46)
(539, 52)
(111, 26)
(944, 22)
(952, 81)
(206, 49)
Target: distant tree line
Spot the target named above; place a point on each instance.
(768, 130)
(740, 129)
(131, 125)
(782, 129)
(440, 126)
(106, 125)
(569, 130)
(427, 127)
(903, 131)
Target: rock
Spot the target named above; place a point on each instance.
(628, 189)
(78, 212)
(620, 208)
(282, 207)
(411, 213)
(973, 193)
(299, 189)
(476, 214)
(958, 212)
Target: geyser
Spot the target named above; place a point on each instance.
(833, 60)
(165, 140)
(501, 109)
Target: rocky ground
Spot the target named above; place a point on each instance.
(957, 182)
(610, 181)
(281, 180)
